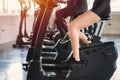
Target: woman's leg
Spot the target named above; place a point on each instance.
(82, 21)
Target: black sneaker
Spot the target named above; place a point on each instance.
(73, 64)
(73, 61)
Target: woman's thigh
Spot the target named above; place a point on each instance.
(84, 20)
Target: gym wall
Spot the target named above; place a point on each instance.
(9, 26)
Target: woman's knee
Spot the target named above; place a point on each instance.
(72, 27)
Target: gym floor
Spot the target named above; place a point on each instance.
(11, 60)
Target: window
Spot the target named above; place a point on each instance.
(9, 6)
(115, 5)
(1, 4)
(13, 6)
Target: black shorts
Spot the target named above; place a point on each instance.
(101, 8)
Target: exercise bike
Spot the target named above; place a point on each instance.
(98, 61)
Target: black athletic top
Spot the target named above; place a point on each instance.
(78, 6)
(101, 8)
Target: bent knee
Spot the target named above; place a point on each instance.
(73, 27)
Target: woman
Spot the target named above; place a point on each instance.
(74, 7)
(100, 10)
